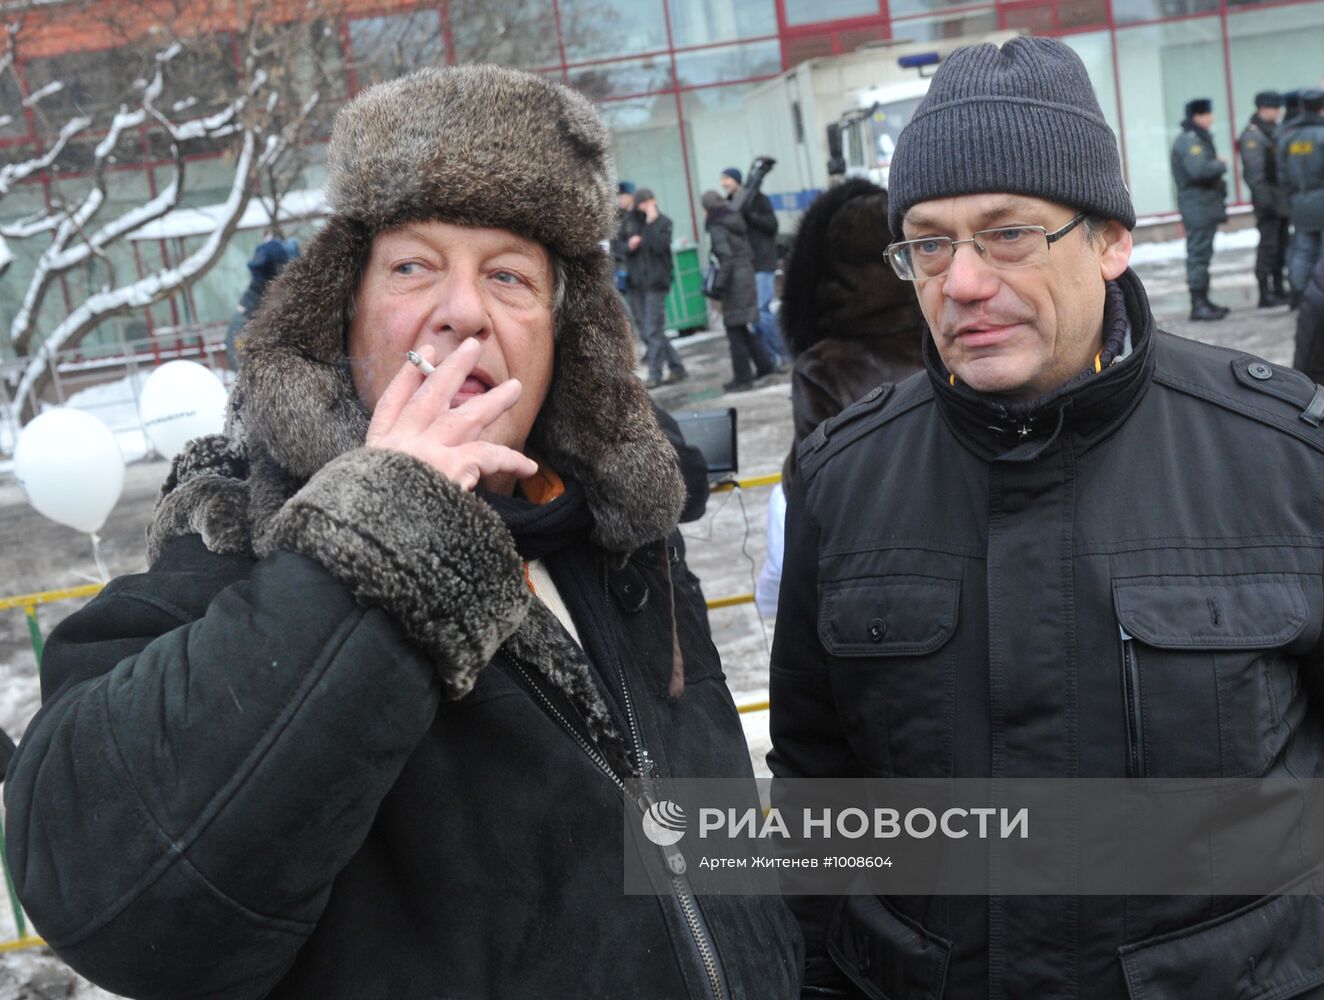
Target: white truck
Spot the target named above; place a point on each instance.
(839, 116)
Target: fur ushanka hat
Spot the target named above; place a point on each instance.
(477, 146)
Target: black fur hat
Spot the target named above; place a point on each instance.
(1199, 106)
(478, 146)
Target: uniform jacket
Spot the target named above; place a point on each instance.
(1259, 166)
(730, 245)
(1309, 355)
(1301, 170)
(330, 745)
(1198, 174)
(1175, 496)
(761, 221)
(648, 265)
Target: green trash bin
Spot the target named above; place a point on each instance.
(687, 309)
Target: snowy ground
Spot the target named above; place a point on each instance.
(725, 547)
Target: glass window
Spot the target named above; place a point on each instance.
(506, 32)
(204, 77)
(309, 51)
(701, 22)
(1034, 18)
(850, 41)
(1160, 68)
(592, 29)
(12, 120)
(1273, 49)
(646, 144)
(1131, 11)
(728, 62)
(387, 47)
(927, 29)
(1081, 13)
(808, 47)
(812, 11)
(622, 79)
(1096, 52)
(90, 83)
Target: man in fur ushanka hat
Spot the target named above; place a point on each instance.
(409, 644)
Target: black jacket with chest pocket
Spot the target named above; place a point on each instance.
(1183, 474)
(330, 745)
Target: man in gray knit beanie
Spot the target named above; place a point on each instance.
(1072, 547)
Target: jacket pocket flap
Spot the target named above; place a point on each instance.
(1182, 612)
(896, 616)
(1268, 949)
(885, 954)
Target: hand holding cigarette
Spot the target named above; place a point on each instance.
(415, 415)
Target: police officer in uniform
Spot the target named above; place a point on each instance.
(1259, 165)
(1301, 161)
(1198, 171)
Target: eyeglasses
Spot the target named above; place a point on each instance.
(1008, 246)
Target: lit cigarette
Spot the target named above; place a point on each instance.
(419, 362)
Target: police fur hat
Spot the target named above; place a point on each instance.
(1198, 106)
(1268, 99)
(477, 146)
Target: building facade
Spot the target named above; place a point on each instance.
(669, 77)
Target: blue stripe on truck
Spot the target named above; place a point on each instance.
(793, 201)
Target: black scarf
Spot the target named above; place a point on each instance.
(540, 530)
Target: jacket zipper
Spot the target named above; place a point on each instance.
(675, 860)
(1135, 734)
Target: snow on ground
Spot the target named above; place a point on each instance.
(1154, 253)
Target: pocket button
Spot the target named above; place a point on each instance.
(877, 630)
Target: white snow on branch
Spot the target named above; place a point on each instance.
(17, 171)
(185, 222)
(41, 93)
(145, 291)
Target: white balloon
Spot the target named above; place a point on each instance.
(71, 468)
(180, 401)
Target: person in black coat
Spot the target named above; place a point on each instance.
(736, 291)
(1258, 146)
(1309, 354)
(1198, 171)
(761, 221)
(646, 234)
(268, 260)
(1073, 548)
(373, 722)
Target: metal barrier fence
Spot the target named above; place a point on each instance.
(121, 359)
(30, 602)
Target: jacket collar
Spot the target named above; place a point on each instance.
(1088, 407)
(1203, 133)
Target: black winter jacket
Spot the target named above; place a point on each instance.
(649, 264)
(1258, 146)
(730, 245)
(1008, 552)
(1309, 355)
(761, 221)
(1198, 174)
(1301, 171)
(282, 805)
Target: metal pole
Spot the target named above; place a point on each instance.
(34, 631)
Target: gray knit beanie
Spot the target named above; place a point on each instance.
(1022, 119)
